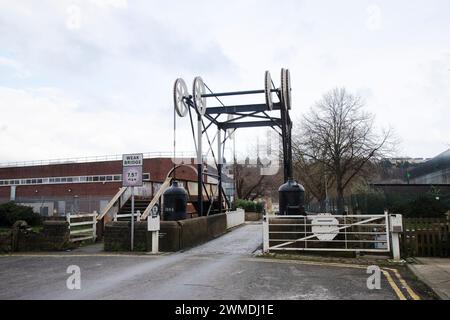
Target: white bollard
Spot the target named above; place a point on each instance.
(395, 227)
(265, 234)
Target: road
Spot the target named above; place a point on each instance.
(221, 269)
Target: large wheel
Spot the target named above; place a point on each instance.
(267, 90)
(180, 94)
(198, 91)
(286, 97)
(289, 90)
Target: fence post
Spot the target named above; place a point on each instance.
(94, 226)
(265, 234)
(68, 218)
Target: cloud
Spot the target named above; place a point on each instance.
(85, 70)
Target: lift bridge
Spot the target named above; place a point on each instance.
(270, 110)
(272, 113)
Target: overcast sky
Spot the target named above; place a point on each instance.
(95, 77)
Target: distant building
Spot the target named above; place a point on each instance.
(434, 171)
(80, 185)
(402, 160)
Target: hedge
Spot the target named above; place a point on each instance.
(11, 212)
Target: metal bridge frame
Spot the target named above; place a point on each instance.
(239, 116)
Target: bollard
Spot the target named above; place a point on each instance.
(395, 227)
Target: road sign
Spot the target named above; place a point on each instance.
(132, 170)
(155, 210)
(133, 160)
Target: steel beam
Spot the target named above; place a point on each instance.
(253, 124)
(235, 93)
(242, 108)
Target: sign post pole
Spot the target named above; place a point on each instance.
(132, 177)
(132, 218)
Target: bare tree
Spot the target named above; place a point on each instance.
(251, 184)
(339, 135)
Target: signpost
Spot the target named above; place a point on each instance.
(154, 226)
(132, 177)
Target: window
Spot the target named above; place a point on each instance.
(146, 176)
(72, 179)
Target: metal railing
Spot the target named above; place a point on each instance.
(117, 157)
(357, 233)
(82, 226)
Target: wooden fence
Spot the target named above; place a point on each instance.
(82, 226)
(425, 237)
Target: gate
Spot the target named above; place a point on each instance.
(326, 232)
(82, 226)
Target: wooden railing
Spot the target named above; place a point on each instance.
(82, 226)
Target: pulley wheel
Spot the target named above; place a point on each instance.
(286, 89)
(180, 94)
(267, 90)
(198, 90)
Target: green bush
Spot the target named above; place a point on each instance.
(249, 206)
(430, 204)
(259, 207)
(11, 212)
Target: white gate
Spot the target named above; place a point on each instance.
(82, 226)
(326, 232)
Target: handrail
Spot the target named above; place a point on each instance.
(156, 197)
(116, 157)
(112, 203)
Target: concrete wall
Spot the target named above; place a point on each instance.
(253, 216)
(174, 235)
(235, 218)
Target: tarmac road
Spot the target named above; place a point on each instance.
(221, 269)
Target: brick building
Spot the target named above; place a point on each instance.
(84, 186)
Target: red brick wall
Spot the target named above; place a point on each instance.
(158, 169)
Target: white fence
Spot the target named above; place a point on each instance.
(82, 226)
(326, 232)
(235, 218)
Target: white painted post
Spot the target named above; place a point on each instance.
(265, 234)
(395, 246)
(395, 227)
(155, 242)
(138, 215)
(94, 226)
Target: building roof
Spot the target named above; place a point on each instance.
(438, 163)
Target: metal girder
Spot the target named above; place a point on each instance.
(235, 93)
(243, 108)
(252, 124)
